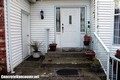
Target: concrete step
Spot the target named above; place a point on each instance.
(66, 65)
(58, 52)
(68, 59)
(65, 55)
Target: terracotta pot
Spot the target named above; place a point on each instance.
(117, 54)
(53, 47)
(86, 38)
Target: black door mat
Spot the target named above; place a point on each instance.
(68, 72)
(35, 59)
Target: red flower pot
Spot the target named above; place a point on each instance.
(53, 47)
(117, 54)
(86, 38)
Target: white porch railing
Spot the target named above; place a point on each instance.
(114, 72)
(102, 53)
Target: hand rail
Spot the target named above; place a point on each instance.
(113, 57)
(108, 54)
(102, 43)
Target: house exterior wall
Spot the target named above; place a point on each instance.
(106, 24)
(39, 26)
(14, 30)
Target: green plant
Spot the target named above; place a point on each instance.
(95, 62)
(36, 45)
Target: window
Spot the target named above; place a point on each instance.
(57, 19)
(82, 19)
(70, 19)
(117, 22)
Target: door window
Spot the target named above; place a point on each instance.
(82, 19)
(57, 19)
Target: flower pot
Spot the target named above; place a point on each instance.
(86, 38)
(52, 47)
(36, 54)
(86, 43)
(117, 54)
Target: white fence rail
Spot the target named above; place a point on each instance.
(115, 68)
(102, 53)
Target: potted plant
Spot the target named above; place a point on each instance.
(87, 40)
(95, 66)
(117, 54)
(52, 46)
(1, 3)
(35, 46)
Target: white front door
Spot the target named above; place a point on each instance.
(70, 27)
(25, 35)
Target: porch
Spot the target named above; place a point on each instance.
(47, 66)
(27, 25)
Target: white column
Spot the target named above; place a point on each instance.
(47, 39)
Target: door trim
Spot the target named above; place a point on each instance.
(69, 6)
(28, 33)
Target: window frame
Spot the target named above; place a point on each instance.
(116, 35)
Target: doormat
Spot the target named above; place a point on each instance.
(68, 72)
(35, 59)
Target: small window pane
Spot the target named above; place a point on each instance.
(117, 29)
(70, 19)
(82, 20)
(117, 22)
(57, 19)
(117, 6)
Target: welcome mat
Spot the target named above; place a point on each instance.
(68, 72)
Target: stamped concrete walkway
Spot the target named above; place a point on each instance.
(47, 65)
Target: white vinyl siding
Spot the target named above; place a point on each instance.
(39, 26)
(106, 22)
(15, 29)
(117, 22)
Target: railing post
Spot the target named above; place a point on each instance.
(47, 40)
(108, 65)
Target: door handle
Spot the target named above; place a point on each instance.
(62, 28)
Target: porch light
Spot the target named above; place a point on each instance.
(42, 14)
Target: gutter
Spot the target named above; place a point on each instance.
(9, 37)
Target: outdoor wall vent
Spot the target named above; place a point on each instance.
(32, 1)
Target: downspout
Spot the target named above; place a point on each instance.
(9, 37)
(96, 16)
